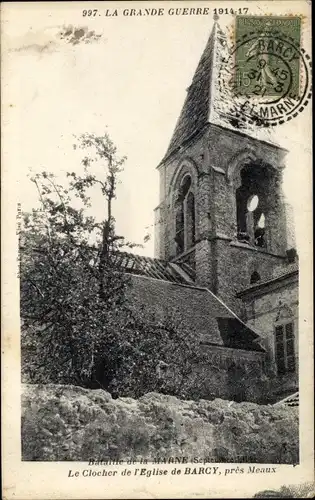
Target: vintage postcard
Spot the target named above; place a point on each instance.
(157, 325)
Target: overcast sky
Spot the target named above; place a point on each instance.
(131, 82)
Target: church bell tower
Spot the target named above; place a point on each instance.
(221, 210)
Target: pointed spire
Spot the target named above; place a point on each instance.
(196, 109)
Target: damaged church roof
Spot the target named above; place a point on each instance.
(154, 268)
(163, 284)
(291, 401)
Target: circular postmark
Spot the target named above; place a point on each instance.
(268, 76)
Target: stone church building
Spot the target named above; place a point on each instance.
(225, 256)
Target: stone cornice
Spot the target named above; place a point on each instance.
(235, 243)
(225, 350)
(253, 139)
(270, 285)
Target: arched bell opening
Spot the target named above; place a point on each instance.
(185, 220)
(253, 204)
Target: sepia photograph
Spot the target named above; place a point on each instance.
(160, 225)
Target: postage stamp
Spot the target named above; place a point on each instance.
(267, 70)
(268, 64)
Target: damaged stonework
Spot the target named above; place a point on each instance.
(223, 215)
(271, 308)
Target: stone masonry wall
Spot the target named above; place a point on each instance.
(214, 159)
(68, 423)
(262, 311)
(236, 264)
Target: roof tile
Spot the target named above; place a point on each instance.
(222, 325)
